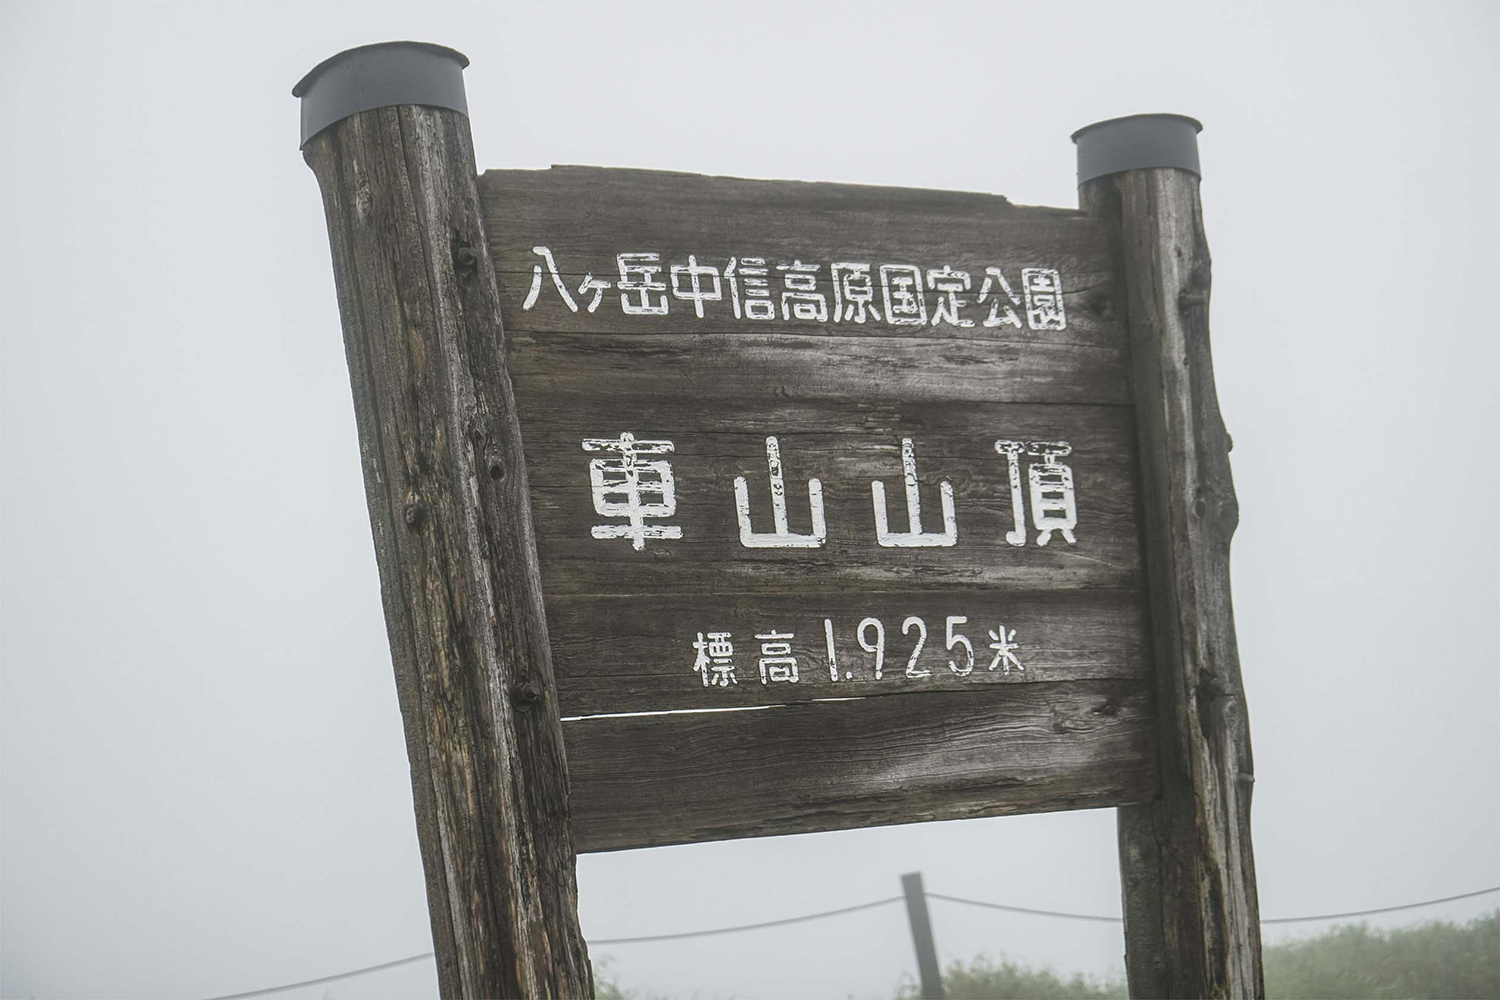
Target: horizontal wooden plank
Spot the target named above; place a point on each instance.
(641, 781)
(865, 350)
(637, 654)
(553, 369)
(842, 384)
(846, 446)
(587, 216)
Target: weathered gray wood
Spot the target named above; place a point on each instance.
(840, 396)
(845, 446)
(634, 654)
(781, 366)
(448, 500)
(928, 971)
(642, 781)
(1192, 921)
(587, 215)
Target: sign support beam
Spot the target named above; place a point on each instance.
(1192, 919)
(386, 132)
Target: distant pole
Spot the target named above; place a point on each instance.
(1192, 919)
(921, 936)
(385, 129)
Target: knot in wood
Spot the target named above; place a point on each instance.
(1210, 690)
(465, 257)
(1187, 301)
(414, 513)
(526, 694)
(495, 465)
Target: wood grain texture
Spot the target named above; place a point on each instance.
(448, 499)
(587, 215)
(553, 368)
(646, 661)
(1192, 919)
(845, 446)
(840, 397)
(641, 781)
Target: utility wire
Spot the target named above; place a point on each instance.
(1264, 920)
(852, 909)
(1383, 909)
(627, 940)
(751, 927)
(326, 979)
(1023, 909)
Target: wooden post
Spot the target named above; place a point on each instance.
(921, 936)
(385, 130)
(1192, 920)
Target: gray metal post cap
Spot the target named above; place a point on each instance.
(1136, 142)
(380, 76)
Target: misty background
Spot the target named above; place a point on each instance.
(203, 781)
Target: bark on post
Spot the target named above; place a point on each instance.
(385, 130)
(1192, 920)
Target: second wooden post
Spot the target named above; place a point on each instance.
(1192, 920)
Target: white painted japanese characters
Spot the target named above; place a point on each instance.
(777, 662)
(715, 659)
(756, 289)
(623, 485)
(781, 537)
(640, 491)
(914, 537)
(1053, 504)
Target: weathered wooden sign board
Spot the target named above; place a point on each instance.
(863, 457)
(712, 508)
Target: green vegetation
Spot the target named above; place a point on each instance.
(982, 979)
(1351, 962)
(1433, 961)
(1429, 961)
(607, 987)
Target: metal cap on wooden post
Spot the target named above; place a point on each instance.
(383, 75)
(1192, 920)
(1137, 142)
(385, 129)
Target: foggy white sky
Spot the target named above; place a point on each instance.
(203, 784)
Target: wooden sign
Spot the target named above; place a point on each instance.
(861, 457)
(712, 508)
